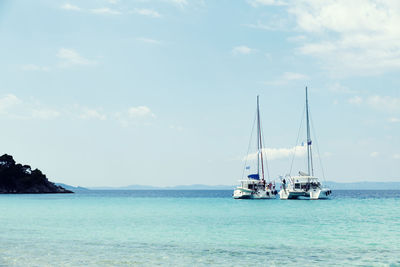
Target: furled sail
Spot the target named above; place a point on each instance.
(303, 173)
(254, 176)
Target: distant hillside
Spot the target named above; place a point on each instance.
(129, 187)
(72, 188)
(364, 185)
(360, 185)
(21, 179)
(203, 187)
(178, 187)
(332, 185)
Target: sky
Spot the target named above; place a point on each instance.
(163, 92)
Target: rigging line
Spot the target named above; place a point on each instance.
(310, 170)
(297, 140)
(317, 145)
(248, 148)
(260, 143)
(266, 158)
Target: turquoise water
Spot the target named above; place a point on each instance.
(114, 228)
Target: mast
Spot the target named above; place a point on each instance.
(258, 139)
(309, 142)
(259, 142)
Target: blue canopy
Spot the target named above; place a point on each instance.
(254, 176)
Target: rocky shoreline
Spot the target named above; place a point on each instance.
(21, 179)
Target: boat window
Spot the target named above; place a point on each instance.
(250, 186)
(297, 186)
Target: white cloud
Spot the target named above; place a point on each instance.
(44, 113)
(134, 115)
(71, 57)
(88, 114)
(374, 154)
(287, 77)
(384, 103)
(396, 156)
(179, 3)
(105, 11)
(274, 22)
(33, 67)
(8, 101)
(338, 88)
(176, 127)
(256, 3)
(244, 50)
(148, 40)
(342, 16)
(263, 26)
(147, 12)
(13, 107)
(279, 153)
(359, 36)
(297, 38)
(394, 120)
(387, 104)
(140, 111)
(68, 6)
(291, 76)
(356, 100)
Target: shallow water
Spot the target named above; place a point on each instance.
(360, 228)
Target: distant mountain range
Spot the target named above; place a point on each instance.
(72, 188)
(177, 187)
(330, 184)
(364, 185)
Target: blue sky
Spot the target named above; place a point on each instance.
(163, 92)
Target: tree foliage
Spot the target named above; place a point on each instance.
(18, 178)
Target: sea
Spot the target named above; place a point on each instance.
(199, 228)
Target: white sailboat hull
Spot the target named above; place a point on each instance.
(312, 194)
(243, 193)
(323, 193)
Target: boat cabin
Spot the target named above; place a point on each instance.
(305, 182)
(252, 184)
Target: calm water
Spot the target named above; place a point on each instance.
(360, 228)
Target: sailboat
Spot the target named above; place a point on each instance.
(305, 185)
(255, 186)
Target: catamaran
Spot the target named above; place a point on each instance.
(255, 186)
(304, 185)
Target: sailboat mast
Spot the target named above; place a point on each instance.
(258, 140)
(309, 142)
(259, 137)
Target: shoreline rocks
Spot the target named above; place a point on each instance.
(21, 179)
